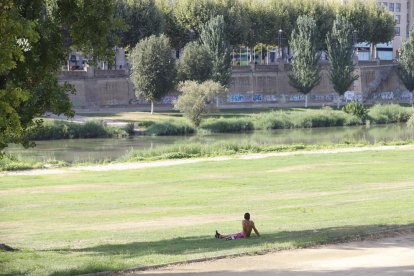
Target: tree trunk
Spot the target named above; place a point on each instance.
(412, 99)
(372, 51)
(152, 107)
(338, 102)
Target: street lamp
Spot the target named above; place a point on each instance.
(280, 42)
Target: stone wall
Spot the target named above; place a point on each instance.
(254, 85)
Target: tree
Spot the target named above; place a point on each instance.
(305, 69)
(381, 26)
(35, 39)
(153, 68)
(195, 63)
(142, 17)
(340, 52)
(177, 34)
(214, 39)
(373, 22)
(406, 66)
(196, 97)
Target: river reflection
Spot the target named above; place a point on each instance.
(76, 150)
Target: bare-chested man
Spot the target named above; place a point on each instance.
(248, 226)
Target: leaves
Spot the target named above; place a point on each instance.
(36, 36)
(305, 69)
(196, 97)
(195, 63)
(340, 52)
(213, 37)
(406, 67)
(153, 68)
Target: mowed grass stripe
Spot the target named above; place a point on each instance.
(94, 221)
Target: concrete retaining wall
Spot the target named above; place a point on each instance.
(251, 86)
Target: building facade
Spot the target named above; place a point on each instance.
(403, 11)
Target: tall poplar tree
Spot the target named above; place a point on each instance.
(340, 52)
(213, 37)
(406, 67)
(305, 69)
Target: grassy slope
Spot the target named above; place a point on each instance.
(72, 224)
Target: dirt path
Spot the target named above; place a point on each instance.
(140, 165)
(387, 256)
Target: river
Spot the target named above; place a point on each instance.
(78, 150)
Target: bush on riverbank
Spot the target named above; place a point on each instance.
(223, 125)
(390, 113)
(305, 119)
(176, 127)
(357, 109)
(56, 129)
(12, 163)
(410, 122)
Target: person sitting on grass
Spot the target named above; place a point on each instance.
(248, 226)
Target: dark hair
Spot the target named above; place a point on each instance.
(247, 216)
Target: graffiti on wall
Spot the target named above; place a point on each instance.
(250, 98)
(350, 96)
(392, 96)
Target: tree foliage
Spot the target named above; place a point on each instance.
(196, 97)
(249, 22)
(195, 63)
(143, 18)
(213, 37)
(305, 69)
(406, 67)
(340, 52)
(153, 68)
(372, 22)
(35, 39)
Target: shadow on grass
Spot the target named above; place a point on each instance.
(207, 245)
(399, 270)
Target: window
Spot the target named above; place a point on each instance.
(398, 19)
(398, 7)
(391, 7)
(397, 31)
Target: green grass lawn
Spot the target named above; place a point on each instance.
(96, 221)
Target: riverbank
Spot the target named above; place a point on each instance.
(163, 163)
(108, 220)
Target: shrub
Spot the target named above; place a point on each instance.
(11, 163)
(196, 97)
(228, 125)
(57, 129)
(272, 120)
(356, 109)
(410, 122)
(170, 128)
(130, 129)
(307, 119)
(391, 113)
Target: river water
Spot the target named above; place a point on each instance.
(77, 150)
